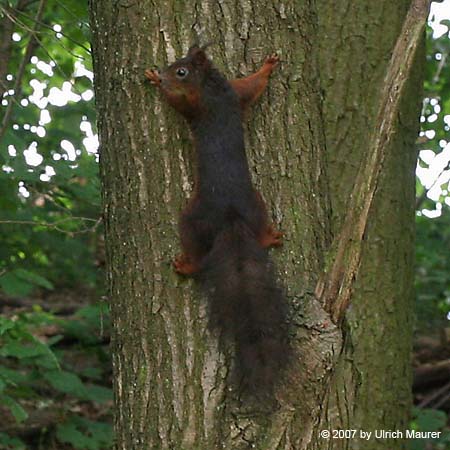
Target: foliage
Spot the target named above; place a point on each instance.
(49, 225)
(429, 420)
(432, 270)
(11, 443)
(37, 376)
(49, 179)
(20, 282)
(84, 434)
(433, 265)
(434, 156)
(49, 211)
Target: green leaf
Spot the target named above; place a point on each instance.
(6, 324)
(101, 431)
(67, 433)
(16, 410)
(9, 202)
(66, 382)
(85, 434)
(98, 394)
(431, 419)
(33, 278)
(13, 443)
(11, 376)
(14, 286)
(20, 350)
(20, 282)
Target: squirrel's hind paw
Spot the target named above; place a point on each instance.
(184, 266)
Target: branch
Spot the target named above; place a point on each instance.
(335, 287)
(49, 27)
(26, 58)
(431, 375)
(6, 30)
(6, 27)
(56, 225)
(33, 32)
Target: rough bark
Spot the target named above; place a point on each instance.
(170, 379)
(370, 388)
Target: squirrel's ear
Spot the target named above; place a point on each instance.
(198, 55)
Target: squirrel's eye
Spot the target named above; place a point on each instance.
(182, 72)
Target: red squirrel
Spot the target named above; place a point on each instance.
(224, 229)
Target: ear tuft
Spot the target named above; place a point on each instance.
(198, 55)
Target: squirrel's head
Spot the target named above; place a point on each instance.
(181, 83)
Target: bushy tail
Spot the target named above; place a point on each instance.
(248, 306)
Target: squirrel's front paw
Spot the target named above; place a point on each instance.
(153, 76)
(272, 60)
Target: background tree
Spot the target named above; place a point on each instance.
(306, 142)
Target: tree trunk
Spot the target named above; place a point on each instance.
(371, 385)
(306, 139)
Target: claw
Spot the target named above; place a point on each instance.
(273, 60)
(153, 76)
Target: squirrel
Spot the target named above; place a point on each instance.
(224, 230)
